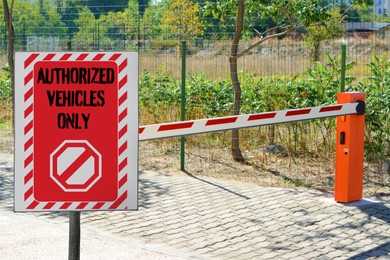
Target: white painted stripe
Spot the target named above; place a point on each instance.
(151, 132)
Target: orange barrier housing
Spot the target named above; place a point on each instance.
(350, 151)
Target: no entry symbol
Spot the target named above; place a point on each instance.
(75, 165)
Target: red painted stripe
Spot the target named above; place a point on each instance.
(122, 98)
(82, 56)
(33, 205)
(49, 56)
(123, 164)
(298, 112)
(28, 160)
(28, 78)
(30, 59)
(28, 127)
(28, 94)
(28, 111)
(66, 56)
(175, 126)
(28, 144)
(220, 121)
(122, 115)
(123, 131)
(331, 108)
(28, 193)
(98, 205)
(28, 177)
(122, 181)
(49, 205)
(122, 148)
(66, 205)
(119, 201)
(98, 56)
(75, 165)
(115, 57)
(141, 130)
(123, 65)
(82, 205)
(262, 116)
(123, 82)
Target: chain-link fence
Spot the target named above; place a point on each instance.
(278, 74)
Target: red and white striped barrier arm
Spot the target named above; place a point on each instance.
(166, 130)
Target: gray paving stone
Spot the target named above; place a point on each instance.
(188, 215)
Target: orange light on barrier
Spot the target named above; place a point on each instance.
(350, 150)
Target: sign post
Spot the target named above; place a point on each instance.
(74, 235)
(76, 134)
(76, 131)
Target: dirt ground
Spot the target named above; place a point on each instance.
(261, 167)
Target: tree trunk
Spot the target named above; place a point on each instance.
(11, 40)
(316, 51)
(236, 151)
(10, 52)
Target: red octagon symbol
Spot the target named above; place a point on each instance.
(75, 165)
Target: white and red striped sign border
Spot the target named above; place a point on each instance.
(166, 130)
(24, 129)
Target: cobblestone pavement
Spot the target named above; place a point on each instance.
(214, 219)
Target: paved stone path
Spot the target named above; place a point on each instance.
(197, 218)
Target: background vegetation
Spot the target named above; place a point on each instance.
(299, 70)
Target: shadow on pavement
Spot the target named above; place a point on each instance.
(374, 210)
(374, 252)
(215, 185)
(155, 191)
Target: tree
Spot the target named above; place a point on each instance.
(114, 25)
(52, 21)
(133, 17)
(289, 15)
(99, 7)
(236, 151)
(181, 19)
(151, 21)
(328, 30)
(69, 11)
(89, 30)
(143, 5)
(122, 26)
(11, 40)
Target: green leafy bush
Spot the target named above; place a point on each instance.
(5, 85)
(377, 90)
(213, 98)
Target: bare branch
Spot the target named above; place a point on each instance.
(286, 29)
(12, 7)
(245, 51)
(257, 32)
(347, 10)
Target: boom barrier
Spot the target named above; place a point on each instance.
(350, 135)
(191, 127)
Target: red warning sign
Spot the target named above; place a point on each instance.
(75, 166)
(76, 131)
(78, 100)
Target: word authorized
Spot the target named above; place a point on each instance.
(75, 77)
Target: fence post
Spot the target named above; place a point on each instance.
(350, 150)
(183, 101)
(343, 63)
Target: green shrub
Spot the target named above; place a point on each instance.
(213, 98)
(5, 85)
(377, 90)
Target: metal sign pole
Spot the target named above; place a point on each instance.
(183, 102)
(74, 235)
